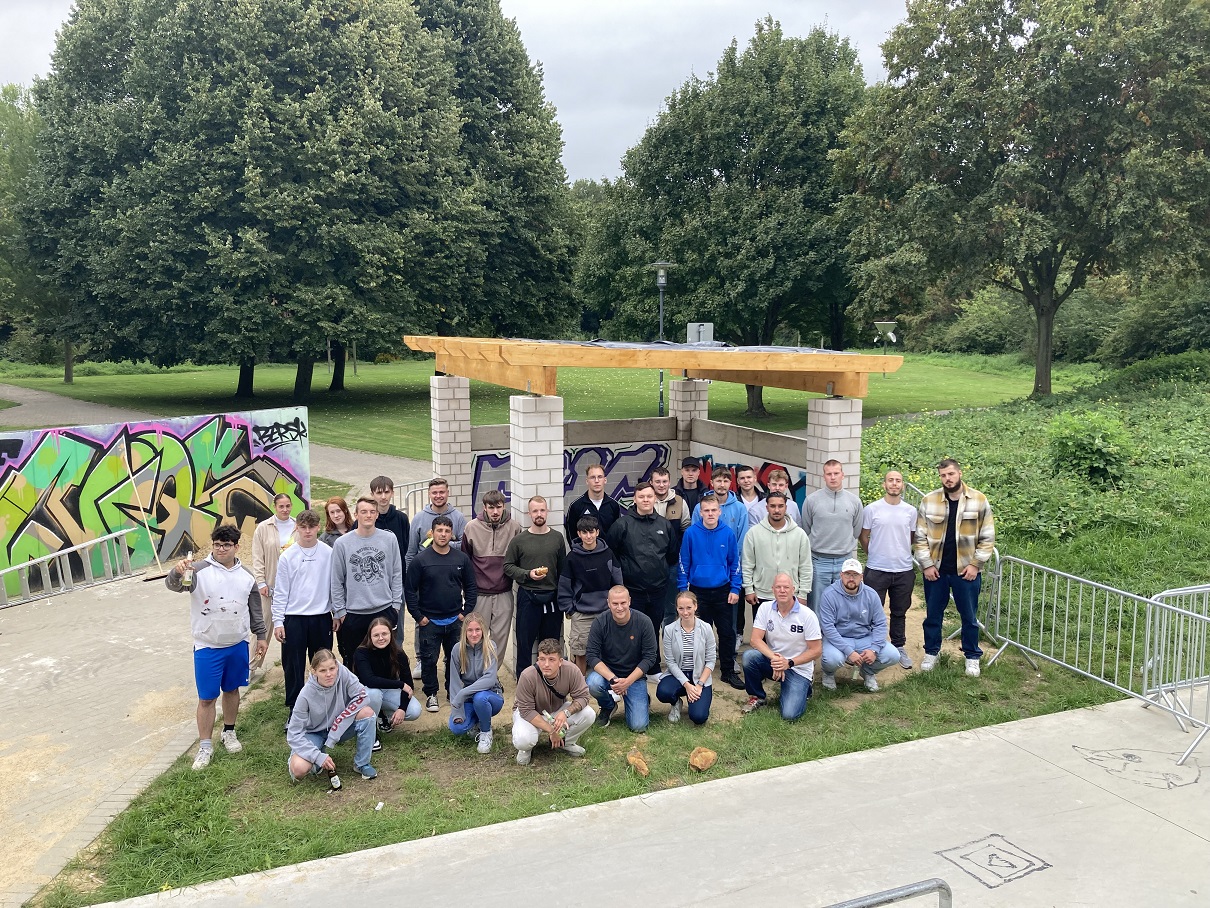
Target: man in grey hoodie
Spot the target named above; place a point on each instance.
(832, 519)
(422, 524)
(367, 579)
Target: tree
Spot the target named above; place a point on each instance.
(1035, 143)
(229, 182)
(733, 183)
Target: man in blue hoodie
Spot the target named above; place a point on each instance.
(854, 629)
(589, 571)
(732, 512)
(710, 568)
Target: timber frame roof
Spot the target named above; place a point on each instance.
(532, 365)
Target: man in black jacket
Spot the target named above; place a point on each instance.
(594, 503)
(643, 543)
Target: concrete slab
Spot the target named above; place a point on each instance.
(1041, 812)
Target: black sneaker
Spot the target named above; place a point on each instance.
(734, 680)
(384, 726)
(377, 746)
(605, 716)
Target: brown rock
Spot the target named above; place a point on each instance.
(702, 758)
(638, 763)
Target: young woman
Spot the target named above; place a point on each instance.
(475, 691)
(385, 671)
(689, 655)
(332, 707)
(273, 536)
(337, 520)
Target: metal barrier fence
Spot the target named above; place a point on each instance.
(945, 898)
(53, 574)
(1177, 671)
(412, 497)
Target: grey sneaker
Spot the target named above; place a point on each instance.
(829, 681)
(574, 750)
(485, 742)
(202, 760)
(231, 742)
(905, 661)
(431, 704)
(871, 683)
(674, 714)
(524, 756)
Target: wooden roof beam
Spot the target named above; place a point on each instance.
(531, 379)
(838, 384)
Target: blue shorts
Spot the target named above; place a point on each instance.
(223, 669)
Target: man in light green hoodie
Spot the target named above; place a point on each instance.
(775, 546)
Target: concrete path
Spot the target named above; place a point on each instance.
(1081, 808)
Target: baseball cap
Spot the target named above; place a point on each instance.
(691, 462)
(851, 564)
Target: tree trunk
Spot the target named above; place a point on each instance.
(247, 370)
(836, 325)
(338, 367)
(756, 401)
(302, 379)
(69, 362)
(1045, 312)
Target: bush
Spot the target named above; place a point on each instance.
(1168, 319)
(1092, 445)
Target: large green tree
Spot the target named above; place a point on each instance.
(733, 183)
(1035, 144)
(228, 181)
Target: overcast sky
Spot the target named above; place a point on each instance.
(609, 64)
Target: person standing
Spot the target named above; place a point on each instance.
(775, 546)
(422, 524)
(224, 607)
(955, 536)
(642, 541)
(887, 528)
(749, 495)
(302, 603)
(534, 559)
(594, 502)
(589, 572)
(390, 518)
(367, 579)
(732, 512)
(673, 508)
(832, 518)
(778, 481)
(622, 650)
(440, 593)
(710, 569)
(271, 537)
(485, 541)
(337, 520)
(690, 487)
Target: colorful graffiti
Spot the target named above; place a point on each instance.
(798, 476)
(174, 479)
(625, 467)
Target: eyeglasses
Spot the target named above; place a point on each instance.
(222, 545)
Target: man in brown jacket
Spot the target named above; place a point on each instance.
(485, 541)
(552, 697)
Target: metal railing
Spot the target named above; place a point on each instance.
(412, 497)
(53, 574)
(1176, 675)
(945, 898)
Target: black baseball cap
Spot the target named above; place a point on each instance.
(691, 462)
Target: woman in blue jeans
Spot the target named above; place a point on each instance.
(689, 656)
(475, 691)
(385, 671)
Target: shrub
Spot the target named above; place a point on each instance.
(1092, 445)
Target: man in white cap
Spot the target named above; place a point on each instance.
(854, 628)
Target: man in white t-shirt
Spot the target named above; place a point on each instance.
(786, 641)
(887, 526)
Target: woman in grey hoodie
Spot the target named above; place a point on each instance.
(332, 707)
(475, 691)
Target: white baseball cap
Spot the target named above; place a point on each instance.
(851, 564)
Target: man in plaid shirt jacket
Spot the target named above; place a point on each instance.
(955, 536)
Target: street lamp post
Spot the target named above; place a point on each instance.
(886, 331)
(661, 282)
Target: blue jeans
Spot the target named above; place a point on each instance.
(476, 712)
(636, 700)
(966, 600)
(887, 656)
(795, 690)
(362, 728)
(669, 690)
(385, 702)
(825, 570)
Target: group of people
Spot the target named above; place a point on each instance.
(653, 594)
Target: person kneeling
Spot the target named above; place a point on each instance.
(785, 644)
(854, 628)
(622, 650)
(552, 699)
(475, 691)
(387, 674)
(332, 707)
(689, 654)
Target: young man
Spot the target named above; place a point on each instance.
(689, 488)
(854, 629)
(887, 527)
(485, 542)
(551, 699)
(732, 512)
(594, 502)
(749, 495)
(832, 519)
(588, 574)
(224, 605)
(367, 579)
(422, 523)
(534, 559)
(955, 536)
(776, 546)
(622, 649)
(390, 518)
(672, 507)
(709, 567)
(779, 481)
(302, 603)
(786, 641)
(642, 541)
(440, 592)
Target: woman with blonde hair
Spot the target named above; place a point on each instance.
(475, 691)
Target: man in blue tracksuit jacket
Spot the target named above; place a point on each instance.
(710, 569)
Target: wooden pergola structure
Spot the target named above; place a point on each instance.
(533, 365)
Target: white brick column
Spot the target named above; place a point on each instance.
(834, 433)
(535, 435)
(688, 399)
(450, 411)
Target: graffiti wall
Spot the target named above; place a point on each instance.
(625, 467)
(732, 459)
(174, 479)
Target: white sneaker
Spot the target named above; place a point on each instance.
(524, 756)
(431, 704)
(871, 683)
(202, 760)
(829, 680)
(674, 714)
(416, 672)
(927, 663)
(485, 742)
(574, 750)
(231, 743)
(972, 668)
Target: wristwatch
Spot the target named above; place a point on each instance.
(790, 663)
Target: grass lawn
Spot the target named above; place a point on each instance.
(243, 814)
(386, 407)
